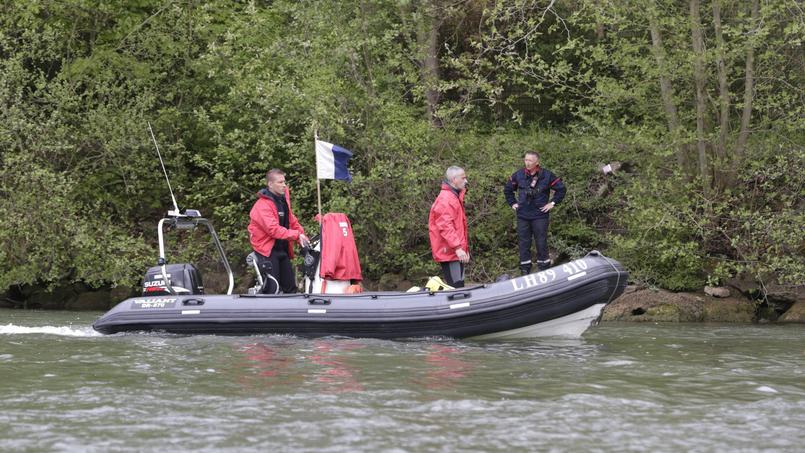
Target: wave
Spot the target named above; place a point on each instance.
(11, 329)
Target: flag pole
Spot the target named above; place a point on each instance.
(318, 181)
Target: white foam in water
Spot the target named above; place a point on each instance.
(766, 389)
(11, 329)
(618, 363)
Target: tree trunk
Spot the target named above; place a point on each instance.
(667, 92)
(749, 92)
(428, 37)
(699, 77)
(367, 60)
(721, 166)
(599, 26)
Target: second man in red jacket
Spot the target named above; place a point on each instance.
(447, 225)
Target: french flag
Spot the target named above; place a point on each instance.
(331, 161)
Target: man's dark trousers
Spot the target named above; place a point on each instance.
(538, 230)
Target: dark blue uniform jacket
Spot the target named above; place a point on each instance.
(532, 192)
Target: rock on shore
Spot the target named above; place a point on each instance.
(794, 314)
(649, 305)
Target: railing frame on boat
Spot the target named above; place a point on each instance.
(189, 220)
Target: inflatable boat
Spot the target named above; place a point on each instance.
(563, 300)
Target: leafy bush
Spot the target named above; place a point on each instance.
(660, 243)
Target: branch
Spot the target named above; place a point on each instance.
(139, 26)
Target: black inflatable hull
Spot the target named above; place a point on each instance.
(563, 300)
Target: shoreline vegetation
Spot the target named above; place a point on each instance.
(678, 127)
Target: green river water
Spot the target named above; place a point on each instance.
(621, 387)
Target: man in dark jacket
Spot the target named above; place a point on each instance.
(528, 193)
(272, 228)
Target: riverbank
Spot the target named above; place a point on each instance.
(642, 304)
(637, 304)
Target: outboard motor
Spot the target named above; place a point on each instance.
(183, 279)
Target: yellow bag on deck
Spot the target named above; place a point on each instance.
(437, 284)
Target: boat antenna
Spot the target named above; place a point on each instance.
(175, 206)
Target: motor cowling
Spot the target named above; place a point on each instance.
(183, 278)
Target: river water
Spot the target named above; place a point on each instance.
(621, 387)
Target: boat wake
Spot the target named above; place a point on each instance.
(66, 331)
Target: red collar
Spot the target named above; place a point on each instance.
(536, 170)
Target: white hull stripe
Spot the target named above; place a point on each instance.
(575, 276)
(191, 312)
(316, 310)
(572, 325)
(461, 305)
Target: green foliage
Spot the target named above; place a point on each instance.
(660, 244)
(759, 225)
(48, 236)
(233, 89)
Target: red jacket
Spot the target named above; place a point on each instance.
(264, 226)
(447, 225)
(339, 255)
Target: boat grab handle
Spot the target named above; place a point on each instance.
(318, 301)
(193, 302)
(457, 296)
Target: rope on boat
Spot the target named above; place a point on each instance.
(618, 283)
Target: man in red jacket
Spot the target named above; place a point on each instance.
(447, 225)
(272, 228)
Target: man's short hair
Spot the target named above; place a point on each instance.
(273, 174)
(533, 153)
(451, 172)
